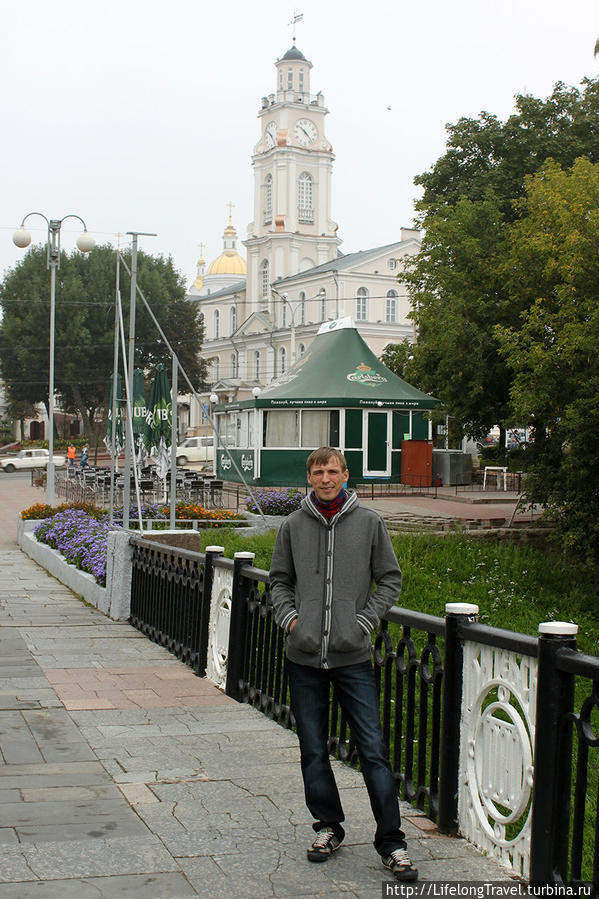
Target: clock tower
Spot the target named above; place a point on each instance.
(292, 230)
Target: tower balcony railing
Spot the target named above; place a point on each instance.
(303, 97)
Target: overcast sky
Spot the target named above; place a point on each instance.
(142, 114)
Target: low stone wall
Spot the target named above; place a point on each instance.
(191, 540)
(113, 600)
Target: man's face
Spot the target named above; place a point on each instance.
(327, 479)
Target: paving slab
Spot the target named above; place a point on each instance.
(124, 774)
(133, 886)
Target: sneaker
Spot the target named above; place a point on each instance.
(399, 863)
(324, 845)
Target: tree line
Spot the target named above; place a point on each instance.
(84, 335)
(505, 293)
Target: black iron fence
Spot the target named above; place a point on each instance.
(170, 599)
(419, 665)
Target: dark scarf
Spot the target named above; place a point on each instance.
(330, 509)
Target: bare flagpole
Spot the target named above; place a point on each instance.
(115, 370)
(130, 430)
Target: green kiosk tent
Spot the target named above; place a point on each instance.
(337, 394)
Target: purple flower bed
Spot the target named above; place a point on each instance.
(155, 512)
(276, 502)
(80, 538)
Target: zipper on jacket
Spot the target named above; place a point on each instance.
(328, 594)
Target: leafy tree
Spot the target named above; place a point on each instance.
(554, 276)
(85, 304)
(397, 357)
(485, 155)
(458, 284)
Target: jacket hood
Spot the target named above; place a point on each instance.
(309, 507)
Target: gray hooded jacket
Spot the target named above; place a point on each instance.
(321, 574)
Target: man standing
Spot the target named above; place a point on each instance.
(325, 558)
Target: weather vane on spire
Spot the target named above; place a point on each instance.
(297, 17)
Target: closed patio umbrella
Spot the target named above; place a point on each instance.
(157, 434)
(118, 425)
(139, 416)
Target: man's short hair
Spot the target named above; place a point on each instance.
(322, 455)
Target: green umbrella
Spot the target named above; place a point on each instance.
(139, 416)
(139, 403)
(118, 429)
(159, 421)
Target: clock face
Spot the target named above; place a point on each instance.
(270, 135)
(305, 132)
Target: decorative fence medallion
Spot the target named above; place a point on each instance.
(218, 627)
(496, 755)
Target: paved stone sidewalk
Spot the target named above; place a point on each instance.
(124, 775)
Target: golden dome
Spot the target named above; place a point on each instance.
(228, 263)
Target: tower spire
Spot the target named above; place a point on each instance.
(297, 17)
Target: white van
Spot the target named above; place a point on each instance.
(196, 449)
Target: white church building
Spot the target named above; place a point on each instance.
(262, 315)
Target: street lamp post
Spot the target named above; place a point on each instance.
(85, 242)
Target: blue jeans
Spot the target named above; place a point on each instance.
(356, 692)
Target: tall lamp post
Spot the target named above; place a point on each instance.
(85, 242)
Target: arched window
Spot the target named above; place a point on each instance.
(283, 358)
(234, 365)
(305, 198)
(268, 200)
(323, 304)
(265, 279)
(391, 306)
(215, 369)
(361, 304)
(216, 324)
(233, 319)
(301, 349)
(257, 365)
(302, 299)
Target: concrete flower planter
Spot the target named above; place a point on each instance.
(112, 600)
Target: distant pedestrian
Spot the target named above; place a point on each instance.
(71, 453)
(325, 558)
(84, 455)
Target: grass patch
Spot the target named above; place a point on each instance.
(515, 587)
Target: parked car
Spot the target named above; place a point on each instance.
(30, 458)
(196, 449)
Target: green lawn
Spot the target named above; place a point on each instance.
(515, 587)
